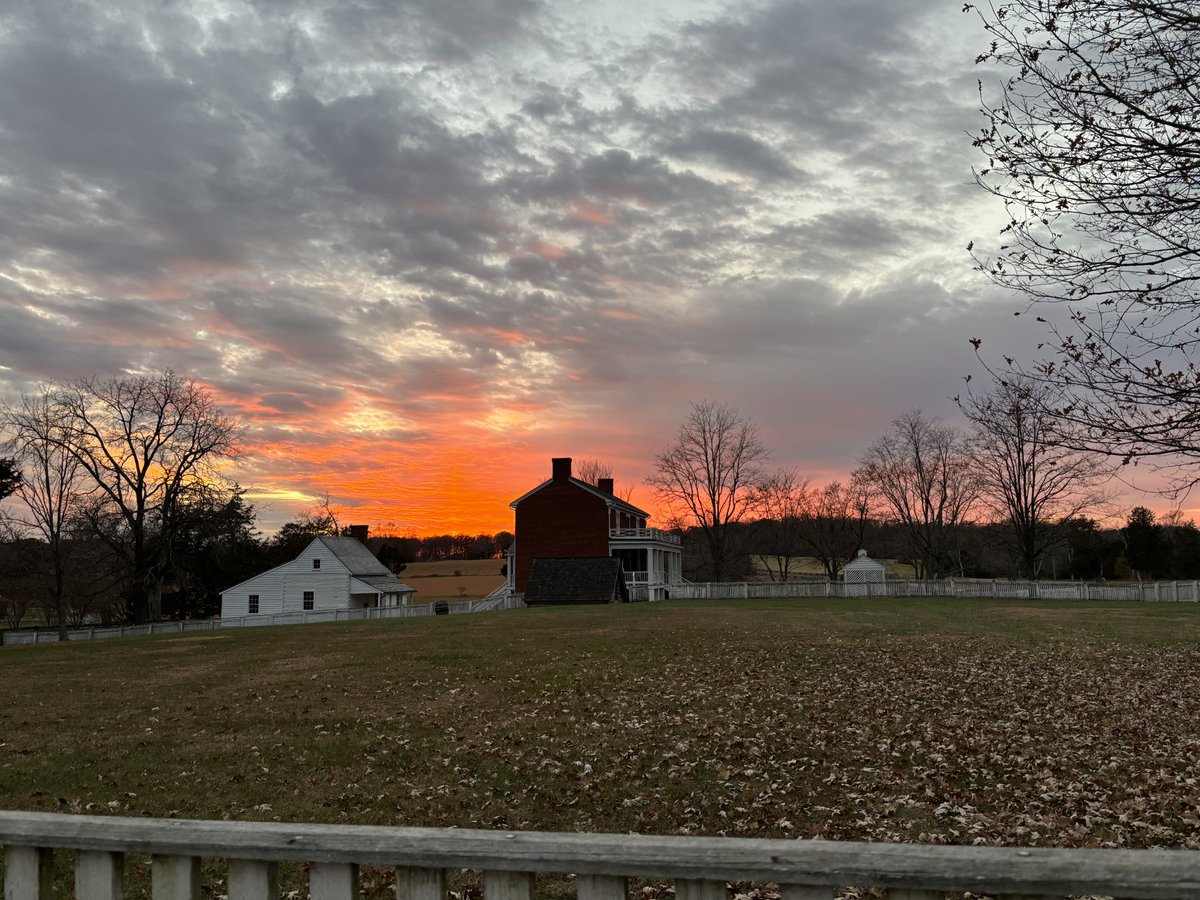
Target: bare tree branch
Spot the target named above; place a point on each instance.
(922, 469)
(1094, 148)
(707, 478)
(1030, 477)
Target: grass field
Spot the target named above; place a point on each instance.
(924, 720)
(454, 579)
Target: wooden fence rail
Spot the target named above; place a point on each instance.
(700, 866)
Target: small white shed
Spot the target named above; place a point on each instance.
(863, 577)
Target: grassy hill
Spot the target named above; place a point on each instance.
(453, 579)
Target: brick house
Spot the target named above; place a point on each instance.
(565, 517)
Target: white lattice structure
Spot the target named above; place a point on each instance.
(864, 577)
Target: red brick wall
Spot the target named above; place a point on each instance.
(562, 519)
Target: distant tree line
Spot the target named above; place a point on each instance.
(1010, 496)
(117, 509)
(1144, 548)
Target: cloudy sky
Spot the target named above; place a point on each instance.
(422, 247)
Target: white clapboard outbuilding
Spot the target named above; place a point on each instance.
(863, 577)
(331, 573)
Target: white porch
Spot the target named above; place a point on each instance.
(652, 560)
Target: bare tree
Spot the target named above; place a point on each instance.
(590, 471)
(922, 470)
(797, 520)
(145, 442)
(1030, 478)
(325, 512)
(834, 520)
(780, 501)
(51, 489)
(707, 478)
(1094, 147)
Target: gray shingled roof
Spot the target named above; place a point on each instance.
(363, 565)
(354, 556)
(389, 584)
(576, 579)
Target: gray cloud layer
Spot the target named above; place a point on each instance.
(438, 210)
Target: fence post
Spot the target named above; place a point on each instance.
(502, 885)
(423, 884)
(98, 875)
(175, 877)
(253, 879)
(333, 881)
(29, 873)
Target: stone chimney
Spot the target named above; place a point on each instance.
(605, 484)
(561, 467)
(359, 532)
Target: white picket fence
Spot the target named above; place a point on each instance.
(1155, 591)
(306, 617)
(601, 864)
(1162, 591)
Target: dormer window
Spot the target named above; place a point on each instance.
(316, 564)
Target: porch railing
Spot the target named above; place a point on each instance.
(700, 866)
(645, 534)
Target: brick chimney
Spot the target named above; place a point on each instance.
(360, 533)
(605, 484)
(561, 467)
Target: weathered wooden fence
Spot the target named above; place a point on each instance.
(1149, 591)
(701, 867)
